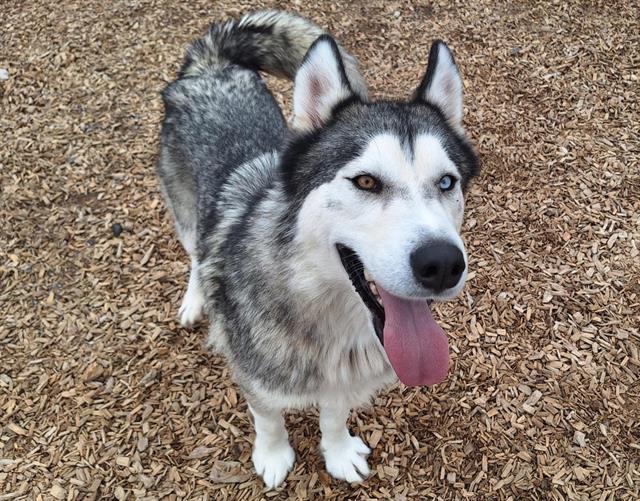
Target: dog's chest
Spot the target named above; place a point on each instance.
(354, 362)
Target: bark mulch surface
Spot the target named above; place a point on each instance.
(103, 395)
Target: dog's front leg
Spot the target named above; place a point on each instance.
(344, 455)
(272, 455)
(192, 306)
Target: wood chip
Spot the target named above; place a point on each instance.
(18, 430)
(58, 492)
(200, 452)
(228, 472)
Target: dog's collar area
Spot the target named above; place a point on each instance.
(355, 271)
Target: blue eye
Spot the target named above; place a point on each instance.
(447, 183)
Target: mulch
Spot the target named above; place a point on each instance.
(103, 395)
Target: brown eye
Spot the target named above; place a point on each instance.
(366, 182)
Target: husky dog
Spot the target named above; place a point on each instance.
(316, 248)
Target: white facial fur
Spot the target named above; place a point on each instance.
(385, 228)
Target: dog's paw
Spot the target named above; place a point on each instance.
(192, 307)
(346, 460)
(273, 463)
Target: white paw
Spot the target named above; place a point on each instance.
(346, 459)
(273, 463)
(192, 307)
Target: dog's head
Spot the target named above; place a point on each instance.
(380, 190)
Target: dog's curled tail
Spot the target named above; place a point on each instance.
(272, 41)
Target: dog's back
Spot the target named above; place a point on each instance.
(215, 122)
(219, 114)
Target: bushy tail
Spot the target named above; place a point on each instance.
(271, 41)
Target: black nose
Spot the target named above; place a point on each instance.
(437, 265)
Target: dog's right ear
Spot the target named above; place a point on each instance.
(320, 84)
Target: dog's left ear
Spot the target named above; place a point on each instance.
(441, 85)
(320, 84)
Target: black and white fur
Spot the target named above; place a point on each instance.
(260, 208)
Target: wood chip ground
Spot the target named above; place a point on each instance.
(103, 395)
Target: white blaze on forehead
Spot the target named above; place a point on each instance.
(405, 165)
(383, 156)
(429, 153)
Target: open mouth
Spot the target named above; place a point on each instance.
(415, 344)
(365, 287)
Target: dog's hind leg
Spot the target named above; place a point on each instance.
(272, 455)
(344, 454)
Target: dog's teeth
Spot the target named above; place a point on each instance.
(367, 276)
(374, 291)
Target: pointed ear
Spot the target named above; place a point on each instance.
(441, 85)
(320, 84)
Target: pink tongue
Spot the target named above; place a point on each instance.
(416, 345)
